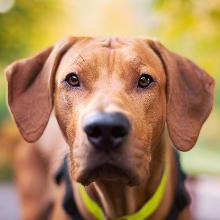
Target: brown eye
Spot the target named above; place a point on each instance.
(72, 79)
(145, 80)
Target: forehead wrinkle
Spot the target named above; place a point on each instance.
(129, 65)
(87, 64)
(79, 60)
(136, 62)
(111, 61)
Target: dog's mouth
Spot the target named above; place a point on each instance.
(108, 172)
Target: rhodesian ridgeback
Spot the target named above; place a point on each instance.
(118, 101)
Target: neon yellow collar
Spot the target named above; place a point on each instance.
(148, 208)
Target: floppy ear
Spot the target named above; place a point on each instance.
(30, 89)
(189, 97)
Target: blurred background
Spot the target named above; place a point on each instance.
(188, 27)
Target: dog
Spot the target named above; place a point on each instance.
(118, 102)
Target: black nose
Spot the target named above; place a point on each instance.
(107, 131)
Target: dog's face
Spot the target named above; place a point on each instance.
(112, 98)
(101, 78)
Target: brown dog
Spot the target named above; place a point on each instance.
(113, 97)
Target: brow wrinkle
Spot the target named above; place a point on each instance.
(136, 61)
(111, 61)
(79, 60)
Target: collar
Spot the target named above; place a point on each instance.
(145, 212)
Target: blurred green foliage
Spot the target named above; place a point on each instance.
(3, 107)
(26, 27)
(6, 172)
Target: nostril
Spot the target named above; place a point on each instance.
(94, 132)
(119, 131)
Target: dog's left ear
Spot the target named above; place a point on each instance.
(189, 97)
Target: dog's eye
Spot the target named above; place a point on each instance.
(145, 80)
(72, 79)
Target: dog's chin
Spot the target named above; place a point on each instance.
(107, 172)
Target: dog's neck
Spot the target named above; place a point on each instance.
(118, 199)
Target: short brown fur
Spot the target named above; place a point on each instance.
(181, 97)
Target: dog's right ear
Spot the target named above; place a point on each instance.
(190, 92)
(30, 89)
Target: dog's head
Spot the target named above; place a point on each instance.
(112, 99)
